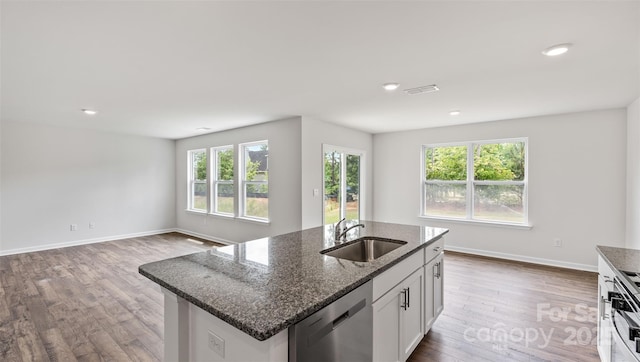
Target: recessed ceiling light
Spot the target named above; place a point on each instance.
(454, 113)
(202, 129)
(390, 86)
(90, 112)
(557, 49)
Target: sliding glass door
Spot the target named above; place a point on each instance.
(342, 184)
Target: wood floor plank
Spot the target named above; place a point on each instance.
(56, 347)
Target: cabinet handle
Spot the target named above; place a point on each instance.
(408, 295)
(603, 307)
(404, 299)
(436, 248)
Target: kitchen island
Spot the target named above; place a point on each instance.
(237, 302)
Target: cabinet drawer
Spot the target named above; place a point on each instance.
(397, 273)
(433, 250)
(604, 270)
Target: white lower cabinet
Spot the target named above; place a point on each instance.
(433, 284)
(397, 319)
(605, 326)
(407, 299)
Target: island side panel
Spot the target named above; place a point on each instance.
(176, 327)
(236, 345)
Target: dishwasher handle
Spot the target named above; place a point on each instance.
(329, 327)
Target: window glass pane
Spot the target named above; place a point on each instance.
(446, 163)
(199, 162)
(445, 200)
(353, 187)
(199, 196)
(256, 159)
(256, 174)
(499, 161)
(199, 180)
(499, 202)
(225, 198)
(225, 164)
(257, 200)
(332, 187)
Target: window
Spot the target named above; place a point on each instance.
(254, 191)
(484, 181)
(342, 181)
(222, 195)
(197, 180)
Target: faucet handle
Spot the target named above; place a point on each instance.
(337, 230)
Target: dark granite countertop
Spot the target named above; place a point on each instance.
(264, 286)
(621, 259)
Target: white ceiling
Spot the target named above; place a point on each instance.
(163, 69)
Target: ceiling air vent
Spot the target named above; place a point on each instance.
(423, 89)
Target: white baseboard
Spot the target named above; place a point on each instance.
(83, 242)
(205, 237)
(528, 259)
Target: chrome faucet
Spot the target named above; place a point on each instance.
(343, 236)
(337, 230)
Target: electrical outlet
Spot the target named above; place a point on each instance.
(92, 225)
(73, 227)
(216, 344)
(557, 243)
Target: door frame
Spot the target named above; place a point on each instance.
(343, 181)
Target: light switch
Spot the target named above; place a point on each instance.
(316, 192)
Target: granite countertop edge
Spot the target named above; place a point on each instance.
(264, 334)
(607, 257)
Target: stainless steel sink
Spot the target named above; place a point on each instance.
(364, 249)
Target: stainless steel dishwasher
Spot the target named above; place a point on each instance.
(341, 331)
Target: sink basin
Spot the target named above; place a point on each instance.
(364, 249)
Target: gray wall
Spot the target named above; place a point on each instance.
(576, 186)
(284, 183)
(53, 177)
(633, 175)
(314, 134)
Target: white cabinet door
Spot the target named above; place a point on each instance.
(429, 280)
(433, 290)
(438, 286)
(412, 330)
(386, 326)
(398, 319)
(604, 318)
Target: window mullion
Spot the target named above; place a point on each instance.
(343, 185)
(470, 177)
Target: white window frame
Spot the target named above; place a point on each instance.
(470, 182)
(192, 181)
(343, 179)
(242, 190)
(213, 152)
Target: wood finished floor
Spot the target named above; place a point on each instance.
(88, 303)
(499, 310)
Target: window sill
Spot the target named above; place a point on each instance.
(229, 217)
(480, 222)
(200, 212)
(252, 220)
(223, 216)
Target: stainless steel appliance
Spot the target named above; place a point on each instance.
(342, 331)
(625, 317)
